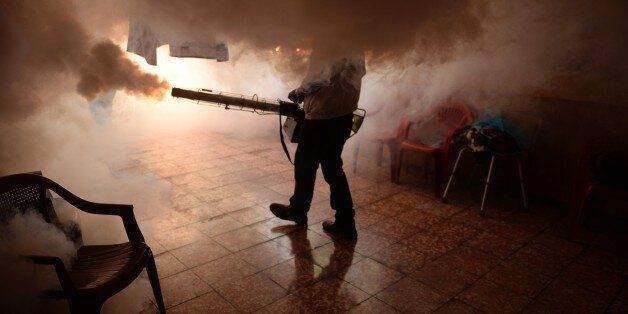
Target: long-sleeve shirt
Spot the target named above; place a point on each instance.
(334, 90)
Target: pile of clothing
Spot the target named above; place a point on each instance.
(486, 137)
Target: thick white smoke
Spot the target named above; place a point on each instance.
(23, 235)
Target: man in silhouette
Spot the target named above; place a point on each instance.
(330, 93)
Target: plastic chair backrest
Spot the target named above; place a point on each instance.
(402, 131)
(458, 113)
(24, 196)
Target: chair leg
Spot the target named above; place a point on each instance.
(393, 165)
(396, 155)
(426, 165)
(151, 269)
(579, 213)
(399, 166)
(453, 172)
(379, 154)
(521, 182)
(356, 153)
(439, 171)
(488, 182)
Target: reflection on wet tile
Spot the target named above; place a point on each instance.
(302, 240)
(251, 293)
(274, 227)
(371, 276)
(295, 273)
(318, 212)
(335, 257)
(265, 255)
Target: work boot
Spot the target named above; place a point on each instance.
(341, 229)
(286, 213)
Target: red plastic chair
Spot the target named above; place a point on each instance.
(459, 114)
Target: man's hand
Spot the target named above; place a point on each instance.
(296, 96)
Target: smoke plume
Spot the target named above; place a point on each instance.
(44, 41)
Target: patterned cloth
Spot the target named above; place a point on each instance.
(487, 136)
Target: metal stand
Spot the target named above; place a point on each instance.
(488, 180)
(453, 172)
(523, 189)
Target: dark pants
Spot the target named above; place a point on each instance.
(321, 143)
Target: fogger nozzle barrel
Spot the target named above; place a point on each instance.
(240, 101)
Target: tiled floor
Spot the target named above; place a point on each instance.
(220, 250)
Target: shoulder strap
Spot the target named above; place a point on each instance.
(283, 141)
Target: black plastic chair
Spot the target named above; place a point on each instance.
(99, 271)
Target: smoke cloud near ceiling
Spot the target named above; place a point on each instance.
(383, 29)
